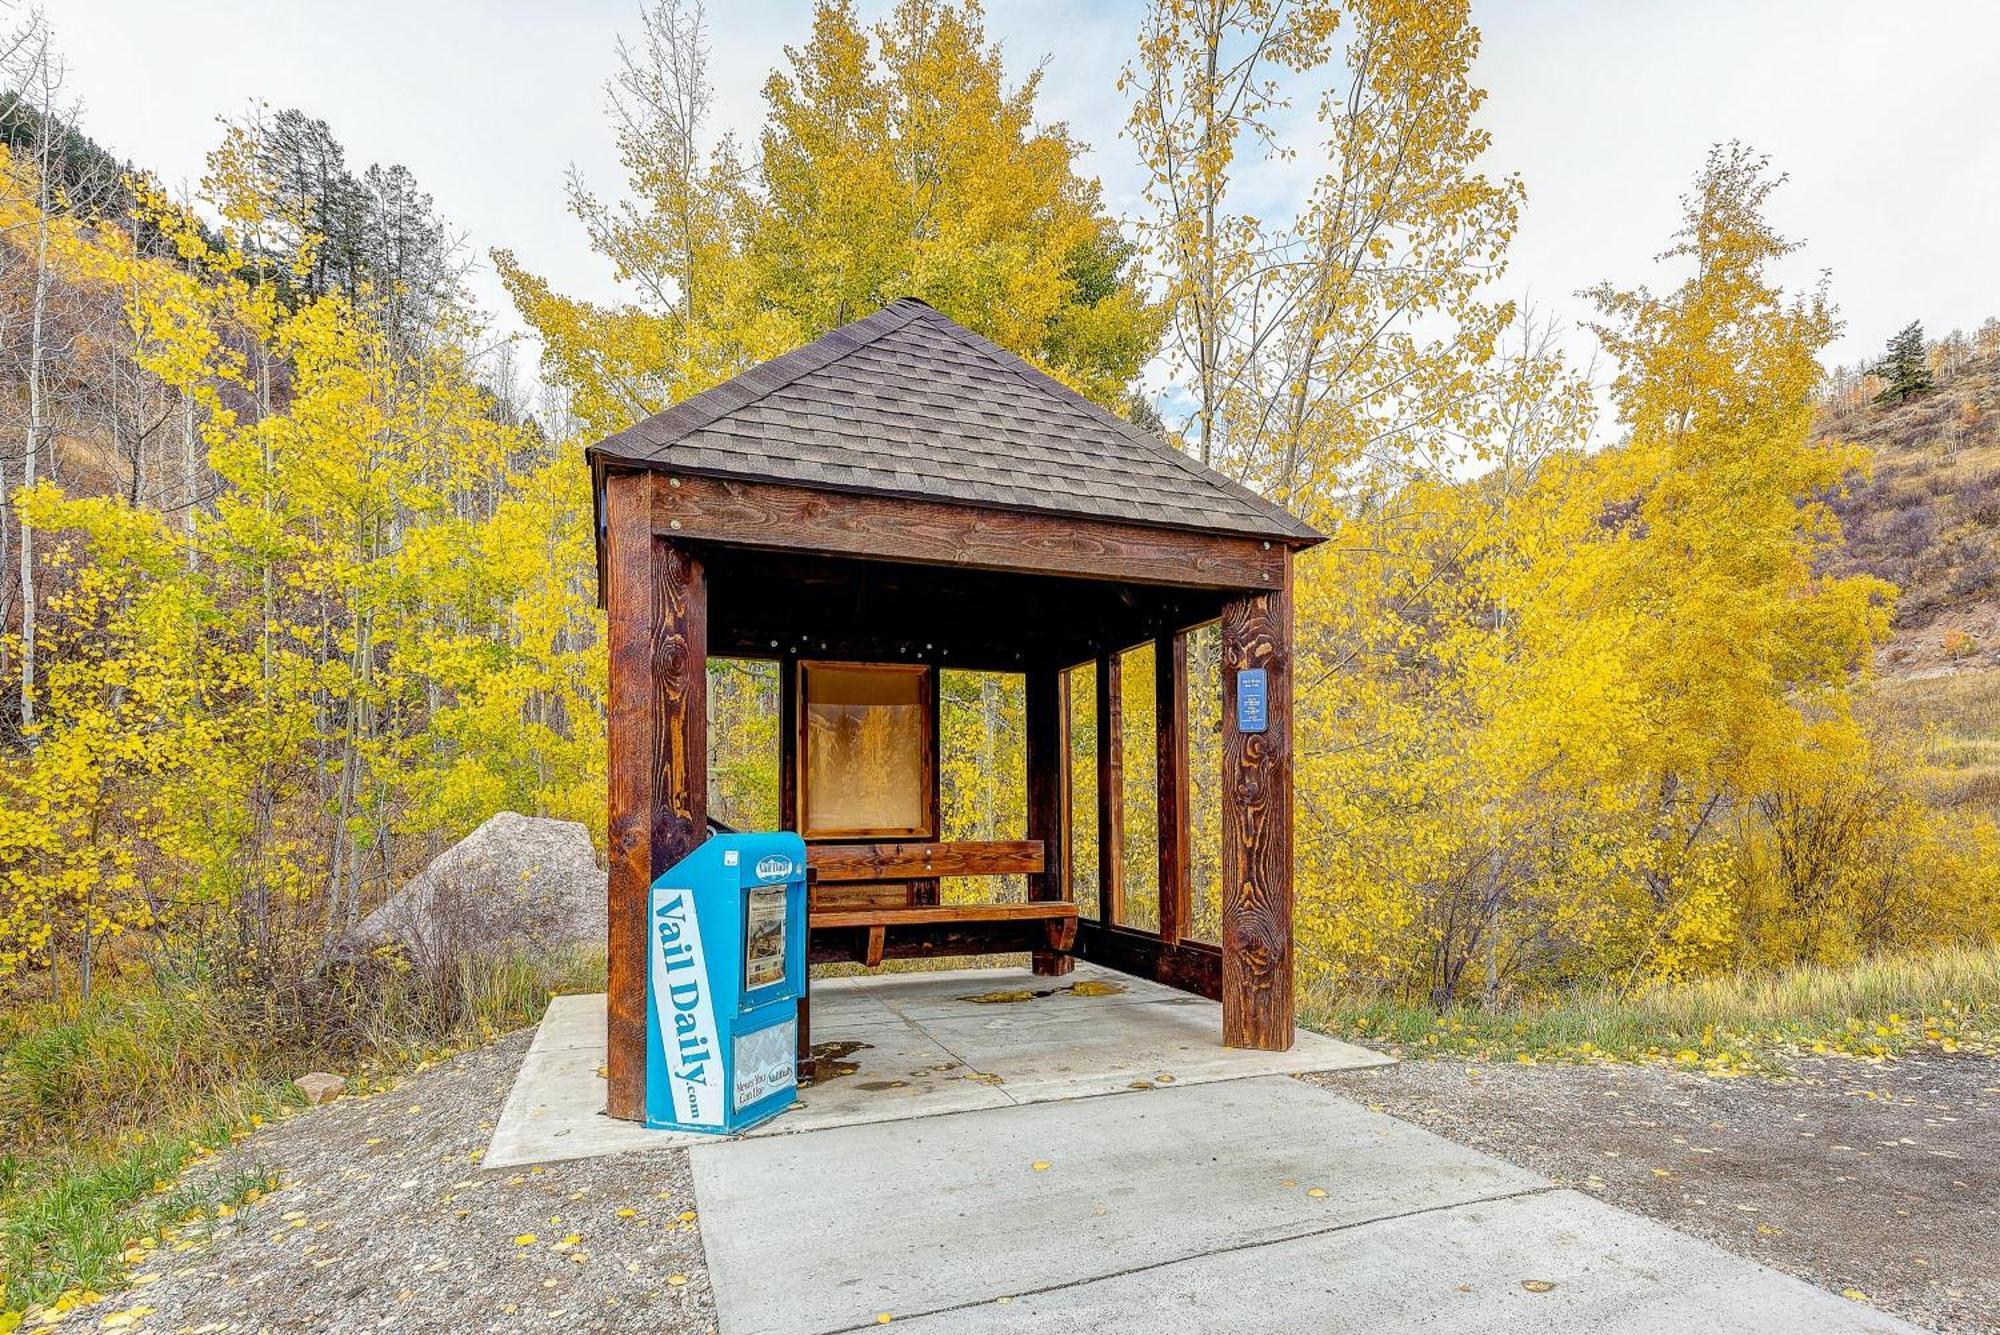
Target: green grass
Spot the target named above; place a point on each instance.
(105, 1104)
(1948, 1000)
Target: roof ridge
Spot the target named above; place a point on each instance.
(761, 381)
(1033, 376)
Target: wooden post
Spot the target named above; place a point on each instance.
(788, 741)
(1170, 715)
(1257, 1003)
(1110, 793)
(788, 819)
(1048, 765)
(656, 619)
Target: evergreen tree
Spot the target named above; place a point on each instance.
(1905, 368)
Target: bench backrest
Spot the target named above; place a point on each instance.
(881, 875)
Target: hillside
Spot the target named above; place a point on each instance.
(1929, 521)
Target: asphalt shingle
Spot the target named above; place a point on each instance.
(907, 403)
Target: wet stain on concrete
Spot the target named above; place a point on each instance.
(1083, 987)
(829, 1061)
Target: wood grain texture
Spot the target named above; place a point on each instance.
(657, 756)
(1110, 791)
(775, 515)
(680, 704)
(829, 919)
(1257, 1001)
(1170, 714)
(1046, 748)
(629, 778)
(831, 863)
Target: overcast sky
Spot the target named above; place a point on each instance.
(1882, 114)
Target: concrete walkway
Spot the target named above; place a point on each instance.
(1257, 1205)
(995, 1151)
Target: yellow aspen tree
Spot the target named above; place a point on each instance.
(894, 162)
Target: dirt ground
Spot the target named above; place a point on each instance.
(387, 1221)
(1883, 1179)
(1880, 1179)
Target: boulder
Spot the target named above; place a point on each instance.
(320, 1087)
(517, 884)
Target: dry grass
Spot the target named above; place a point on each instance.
(1961, 716)
(1948, 998)
(103, 1103)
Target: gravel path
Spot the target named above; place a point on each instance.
(384, 1219)
(1883, 1179)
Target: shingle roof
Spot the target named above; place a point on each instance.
(907, 403)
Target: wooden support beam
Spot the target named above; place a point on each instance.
(1110, 793)
(929, 890)
(657, 754)
(1047, 748)
(788, 742)
(1257, 1002)
(1191, 966)
(1170, 714)
(774, 516)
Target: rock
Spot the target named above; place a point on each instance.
(319, 1087)
(517, 884)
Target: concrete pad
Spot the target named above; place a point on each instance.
(949, 993)
(817, 1233)
(900, 1071)
(1063, 1052)
(556, 1108)
(924, 1050)
(1458, 1268)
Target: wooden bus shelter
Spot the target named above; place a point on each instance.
(902, 496)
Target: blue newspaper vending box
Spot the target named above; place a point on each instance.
(726, 966)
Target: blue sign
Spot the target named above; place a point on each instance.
(726, 966)
(1253, 701)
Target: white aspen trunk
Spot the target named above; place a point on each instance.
(188, 479)
(37, 428)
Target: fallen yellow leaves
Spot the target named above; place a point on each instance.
(525, 1240)
(1538, 1285)
(1041, 1165)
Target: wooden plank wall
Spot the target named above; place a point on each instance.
(1257, 1002)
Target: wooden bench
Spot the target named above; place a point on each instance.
(864, 931)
